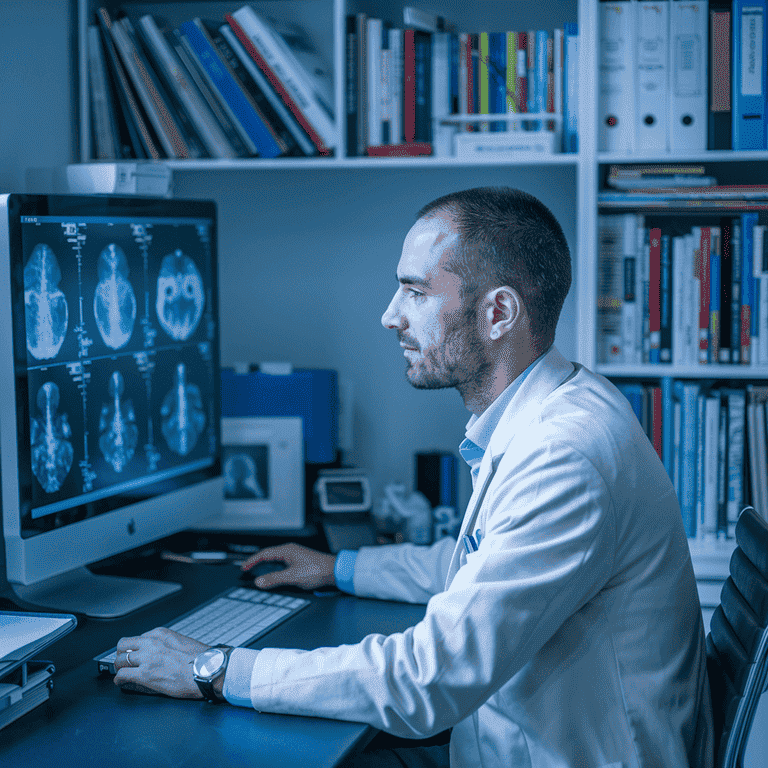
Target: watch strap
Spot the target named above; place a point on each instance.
(206, 686)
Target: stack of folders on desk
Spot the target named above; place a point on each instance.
(682, 75)
(24, 683)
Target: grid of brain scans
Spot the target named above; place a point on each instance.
(120, 334)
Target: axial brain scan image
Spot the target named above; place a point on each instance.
(52, 451)
(114, 302)
(45, 305)
(117, 426)
(180, 296)
(183, 417)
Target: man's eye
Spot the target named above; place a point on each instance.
(414, 292)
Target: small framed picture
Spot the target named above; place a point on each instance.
(263, 467)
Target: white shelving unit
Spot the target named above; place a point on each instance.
(325, 20)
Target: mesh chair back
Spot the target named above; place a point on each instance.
(737, 645)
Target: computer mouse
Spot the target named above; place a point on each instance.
(261, 569)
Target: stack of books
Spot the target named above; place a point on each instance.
(682, 76)
(712, 441)
(403, 85)
(677, 293)
(244, 86)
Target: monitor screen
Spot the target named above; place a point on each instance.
(115, 373)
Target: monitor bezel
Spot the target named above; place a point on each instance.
(53, 552)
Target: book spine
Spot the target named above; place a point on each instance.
(571, 88)
(757, 263)
(722, 471)
(711, 442)
(714, 295)
(373, 65)
(677, 413)
(228, 123)
(441, 94)
(703, 274)
(257, 40)
(423, 74)
(736, 415)
(362, 83)
(530, 68)
(667, 425)
(629, 312)
(350, 86)
(273, 106)
(409, 84)
(165, 127)
(654, 295)
(497, 71)
(665, 301)
(273, 119)
(688, 458)
(541, 76)
(200, 115)
(521, 87)
(748, 221)
(511, 77)
(143, 142)
(104, 127)
(700, 463)
(641, 290)
(720, 118)
(656, 422)
(386, 87)
(736, 259)
(396, 48)
(455, 110)
(680, 285)
(726, 279)
(484, 106)
(609, 290)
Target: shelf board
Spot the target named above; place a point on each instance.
(707, 156)
(253, 164)
(713, 371)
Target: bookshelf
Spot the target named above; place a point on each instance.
(557, 179)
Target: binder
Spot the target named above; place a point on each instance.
(749, 45)
(719, 135)
(24, 683)
(652, 76)
(616, 110)
(688, 21)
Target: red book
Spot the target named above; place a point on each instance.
(409, 149)
(654, 295)
(277, 85)
(521, 79)
(703, 275)
(656, 419)
(409, 85)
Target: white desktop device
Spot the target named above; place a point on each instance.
(110, 380)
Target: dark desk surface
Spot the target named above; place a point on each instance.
(89, 722)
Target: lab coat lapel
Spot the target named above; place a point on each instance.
(526, 403)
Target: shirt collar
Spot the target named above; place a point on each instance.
(480, 428)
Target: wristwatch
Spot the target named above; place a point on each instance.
(209, 666)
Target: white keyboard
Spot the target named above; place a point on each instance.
(236, 617)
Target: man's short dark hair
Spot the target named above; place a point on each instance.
(509, 237)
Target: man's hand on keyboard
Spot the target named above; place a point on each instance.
(160, 661)
(305, 568)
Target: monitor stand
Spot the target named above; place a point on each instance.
(97, 596)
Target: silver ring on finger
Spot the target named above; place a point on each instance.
(128, 657)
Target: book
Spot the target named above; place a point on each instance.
(142, 141)
(256, 83)
(719, 133)
(104, 127)
(760, 236)
(150, 94)
(687, 394)
(736, 262)
(571, 87)
(441, 94)
(749, 93)
(726, 280)
(702, 271)
(630, 317)
(711, 447)
(406, 149)
(484, 58)
(286, 75)
(609, 290)
(654, 295)
(351, 91)
(374, 35)
(652, 76)
(666, 301)
(178, 79)
(423, 85)
(748, 221)
(736, 399)
(396, 82)
(249, 116)
(713, 351)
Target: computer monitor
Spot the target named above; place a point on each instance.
(110, 432)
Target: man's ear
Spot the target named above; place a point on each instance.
(504, 308)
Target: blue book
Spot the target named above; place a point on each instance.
(219, 74)
(748, 221)
(736, 252)
(497, 77)
(633, 393)
(688, 394)
(713, 349)
(737, 404)
(571, 87)
(667, 424)
(540, 78)
(700, 442)
(749, 33)
(665, 300)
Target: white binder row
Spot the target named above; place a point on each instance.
(653, 76)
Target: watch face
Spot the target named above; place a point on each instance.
(209, 662)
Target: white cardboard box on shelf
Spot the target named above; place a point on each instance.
(154, 179)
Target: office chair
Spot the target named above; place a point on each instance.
(737, 645)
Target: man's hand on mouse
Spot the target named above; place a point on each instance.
(305, 567)
(159, 661)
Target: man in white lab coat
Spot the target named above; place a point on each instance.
(563, 628)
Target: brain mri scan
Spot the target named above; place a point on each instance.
(117, 426)
(180, 296)
(183, 417)
(114, 302)
(52, 452)
(45, 305)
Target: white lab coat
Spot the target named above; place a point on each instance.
(572, 638)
